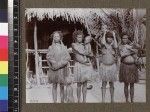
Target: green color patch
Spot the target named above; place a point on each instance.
(3, 80)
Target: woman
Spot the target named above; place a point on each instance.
(83, 67)
(108, 66)
(87, 45)
(128, 69)
(57, 58)
(88, 48)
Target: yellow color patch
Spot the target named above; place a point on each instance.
(3, 67)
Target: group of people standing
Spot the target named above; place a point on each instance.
(58, 57)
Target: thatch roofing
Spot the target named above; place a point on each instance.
(82, 15)
(86, 16)
(75, 14)
(70, 14)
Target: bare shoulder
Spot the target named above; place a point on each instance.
(120, 46)
(50, 47)
(73, 45)
(65, 47)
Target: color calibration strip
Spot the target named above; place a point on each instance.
(3, 58)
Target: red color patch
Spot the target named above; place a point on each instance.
(3, 54)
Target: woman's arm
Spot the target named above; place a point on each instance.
(50, 58)
(50, 65)
(65, 59)
(103, 41)
(123, 54)
(50, 55)
(90, 54)
(70, 50)
(76, 50)
(88, 50)
(115, 41)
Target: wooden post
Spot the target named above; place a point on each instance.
(136, 27)
(97, 59)
(123, 20)
(36, 56)
(28, 84)
(97, 45)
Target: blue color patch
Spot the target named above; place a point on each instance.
(3, 93)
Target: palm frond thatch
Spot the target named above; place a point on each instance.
(119, 20)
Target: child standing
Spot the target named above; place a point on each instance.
(108, 66)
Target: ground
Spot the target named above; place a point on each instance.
(42, 93)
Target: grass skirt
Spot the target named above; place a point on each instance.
(83, 72)
(58, 76)
(128, 73)
(108, 72)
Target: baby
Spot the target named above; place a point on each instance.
(88, 49)
(129, 51)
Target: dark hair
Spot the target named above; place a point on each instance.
(76, 33)
(89, 37)
(109, 34)
(124, 34)
(59, 32)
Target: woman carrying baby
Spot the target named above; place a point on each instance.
(83, 66)
(128, 69)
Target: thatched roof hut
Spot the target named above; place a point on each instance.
(90, 19)
(89, 16)
(70, 14)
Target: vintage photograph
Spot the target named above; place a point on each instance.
(85, 55)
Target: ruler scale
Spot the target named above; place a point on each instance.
(16, 55)
(14, 83)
